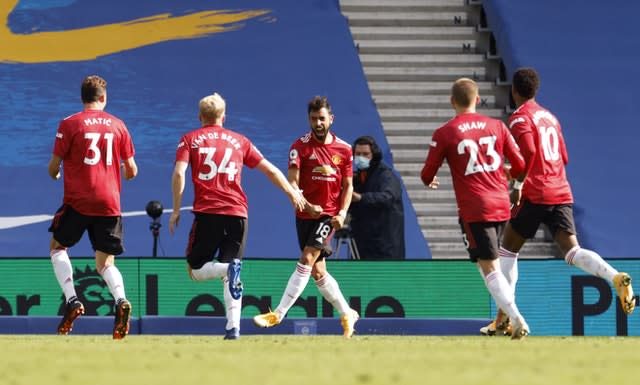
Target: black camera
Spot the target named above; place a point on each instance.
(154, 209)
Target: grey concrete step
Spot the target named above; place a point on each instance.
(408, 18)
(410, 142)
(456, 250)
(423, 73)
(409, 156)
(394, 129)
(410, 173)
(432, 115)
(413, 33)
(426, 195)
(413, 181)
(454, 233)
(422, 46)
(423, 101)
(409, 5)
(453, 60)
(421, 88)
(436, 209)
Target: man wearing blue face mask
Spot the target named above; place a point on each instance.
(377, 214)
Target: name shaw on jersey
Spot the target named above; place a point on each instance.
(464, 127)
(215, 136)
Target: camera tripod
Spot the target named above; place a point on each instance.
(343, 237)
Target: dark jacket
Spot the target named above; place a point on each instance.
(377, 220)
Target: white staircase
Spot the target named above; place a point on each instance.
(411, 51)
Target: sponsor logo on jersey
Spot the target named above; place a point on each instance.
(313, 156)
(325, 170)
(327, 173)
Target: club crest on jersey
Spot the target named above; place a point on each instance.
(336, 159)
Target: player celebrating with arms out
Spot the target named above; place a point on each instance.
(320, 164)
(474, 146)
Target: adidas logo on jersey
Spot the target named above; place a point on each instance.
(313, 156)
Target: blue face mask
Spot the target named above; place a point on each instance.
(361, 162)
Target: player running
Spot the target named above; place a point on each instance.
(474, 146)
(320, 165)
(92, 146)
(542, 194)
(219, 230)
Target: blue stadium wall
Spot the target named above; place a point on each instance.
(267, 58)
(587, 54)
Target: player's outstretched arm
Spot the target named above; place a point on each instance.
(277, 178)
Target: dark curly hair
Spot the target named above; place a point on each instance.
(526, 82)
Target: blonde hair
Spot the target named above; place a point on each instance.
(212, 107)
(464, 92)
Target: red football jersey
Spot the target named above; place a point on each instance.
(322, 168)
(474, 146)
(216, 156)
(545, 154)
(92, 144)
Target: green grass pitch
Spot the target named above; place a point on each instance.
(284, 360)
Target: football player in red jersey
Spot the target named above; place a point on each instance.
(320, 165)
(474, 147)
(542, 194)
(91, 145)
(216, 155)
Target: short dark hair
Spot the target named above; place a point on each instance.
(92, 88)
(375, 149)
(526, 82)
(317, 103)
